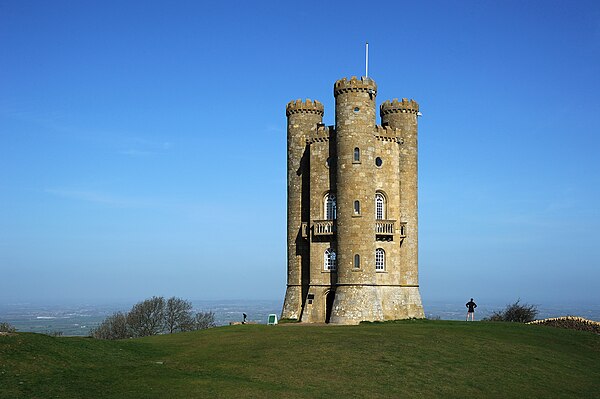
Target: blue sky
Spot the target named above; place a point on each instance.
(143, 144)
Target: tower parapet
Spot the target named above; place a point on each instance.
(323, 133)
(387, 133)
(395, 106)
(355, 85)
(307, 107)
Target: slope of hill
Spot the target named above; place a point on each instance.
(402, 359)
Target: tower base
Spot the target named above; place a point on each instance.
(356, 303)
(292, 305)
(401, 302)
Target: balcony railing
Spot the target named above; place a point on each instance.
(387, 229)
(323, 227)
(384, 227)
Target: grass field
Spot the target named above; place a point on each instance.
(443, 359)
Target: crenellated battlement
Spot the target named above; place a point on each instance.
(387, 133)
(323, 133)
(395, 106)
(355, 85)
(307, 107)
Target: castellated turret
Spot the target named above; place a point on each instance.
(304, 117)
(352, 209)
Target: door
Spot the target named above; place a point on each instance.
(329, 297)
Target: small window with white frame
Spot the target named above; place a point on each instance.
(379, 259)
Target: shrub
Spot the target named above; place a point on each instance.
(516, 312)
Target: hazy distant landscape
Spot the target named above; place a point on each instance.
(78, 319)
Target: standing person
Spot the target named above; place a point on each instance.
(471, 309)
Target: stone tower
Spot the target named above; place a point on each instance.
(352, 209)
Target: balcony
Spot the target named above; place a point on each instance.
(323, 228)
(385, 229)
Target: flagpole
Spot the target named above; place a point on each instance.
(367, 60)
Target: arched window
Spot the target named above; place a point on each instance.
(357, 261)
(329, 260)
(357, 207)
(379, 259)
(329, 207)
(357, 154)
(379, 206)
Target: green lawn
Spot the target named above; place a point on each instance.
(423, 358)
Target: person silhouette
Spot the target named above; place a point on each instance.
(243, 322)
(471, 309)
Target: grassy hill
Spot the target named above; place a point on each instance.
(390, 360)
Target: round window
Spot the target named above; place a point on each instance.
(378, 162)
(356, 109)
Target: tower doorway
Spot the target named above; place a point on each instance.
(329, 297)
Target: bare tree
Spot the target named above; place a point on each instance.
(7, 328)
(204, 320)
(153, 316)
(113, 327)
(147, 317)
(178, 315)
